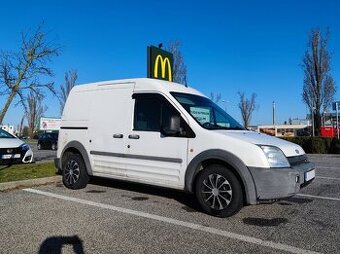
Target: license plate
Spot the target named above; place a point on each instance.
(10, 156)
(309, 175)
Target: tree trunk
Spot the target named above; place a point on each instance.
(317, 121)
(8, 103)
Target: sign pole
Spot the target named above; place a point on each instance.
(337, 118)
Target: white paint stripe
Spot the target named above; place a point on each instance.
(325, 167)
(248, 239)
(318, 197)
(328, 178)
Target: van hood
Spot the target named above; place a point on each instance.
(10, 142)
(288, 148)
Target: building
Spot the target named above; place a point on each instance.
(282, 130)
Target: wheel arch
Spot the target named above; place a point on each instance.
(76, 147)
(229, 160)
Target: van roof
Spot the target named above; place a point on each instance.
(141, 84)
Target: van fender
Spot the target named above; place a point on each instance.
(236, 163)
(81, 149)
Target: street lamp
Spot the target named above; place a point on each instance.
(225, 105)
(337, 118)
(273, 113)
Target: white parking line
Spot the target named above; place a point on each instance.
(248, 239)
(328, 178)
(325, 167)
(318, 197)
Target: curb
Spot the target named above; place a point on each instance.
(29, 183)
(315, 155)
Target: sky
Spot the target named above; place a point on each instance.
(228, 46)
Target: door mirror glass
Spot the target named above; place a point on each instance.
(173, 127)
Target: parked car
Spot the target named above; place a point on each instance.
(162, 133)
(48, 141)
(13, 150)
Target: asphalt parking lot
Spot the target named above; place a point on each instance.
(116, 217)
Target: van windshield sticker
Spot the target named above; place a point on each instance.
(202, 115)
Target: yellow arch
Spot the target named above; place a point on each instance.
(164, 62)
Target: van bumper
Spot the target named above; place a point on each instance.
(277, 183)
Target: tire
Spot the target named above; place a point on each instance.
(39, 146)
(54, 146)
(218, 191)
(74, 172)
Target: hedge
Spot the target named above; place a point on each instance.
(319, 145)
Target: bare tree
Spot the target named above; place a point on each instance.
(34, 112)
(215, 97)
(318, 84)
(179, 72)
(70, 80)
(247, 107)
(20, 71)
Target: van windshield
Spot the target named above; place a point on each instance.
(206, 113)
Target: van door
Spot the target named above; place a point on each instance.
(110, 123)
(151, 157)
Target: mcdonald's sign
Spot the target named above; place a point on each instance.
(160, 63)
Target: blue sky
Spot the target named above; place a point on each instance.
(228, 46)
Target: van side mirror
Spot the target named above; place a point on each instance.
(174, 127)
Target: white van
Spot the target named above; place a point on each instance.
(161, 133)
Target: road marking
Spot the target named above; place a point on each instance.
(324, 167)
(248, 239)
(318, 197)
(328, 178)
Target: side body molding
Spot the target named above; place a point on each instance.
(81, 149)
(228, 158)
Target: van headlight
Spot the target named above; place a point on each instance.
(275, 157)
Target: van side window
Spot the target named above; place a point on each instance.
(153, 112)
(147, 113)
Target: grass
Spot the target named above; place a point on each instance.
(26, 171)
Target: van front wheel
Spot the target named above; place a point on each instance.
(218, 191)
(74, 172)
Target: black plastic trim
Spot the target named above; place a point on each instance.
(242, 170)
(73, 128)
(134, 156)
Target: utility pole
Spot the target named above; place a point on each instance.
(274, 118)
(273, 113)
(313, 130)
(337, 118)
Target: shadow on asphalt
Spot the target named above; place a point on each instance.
(188, 200)
(55, 245)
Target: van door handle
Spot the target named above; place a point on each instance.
(118, 135)
(134, 136)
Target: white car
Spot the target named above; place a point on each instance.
(13, 150)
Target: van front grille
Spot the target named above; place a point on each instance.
(296, 160)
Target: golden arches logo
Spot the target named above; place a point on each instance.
(164, 63)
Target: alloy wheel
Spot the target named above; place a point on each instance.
(72, 172)
(216, 191)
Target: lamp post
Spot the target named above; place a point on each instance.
(337, 118)
(225, 105)
(274, 113)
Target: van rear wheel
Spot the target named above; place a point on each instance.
(218, 191)
(74, 172)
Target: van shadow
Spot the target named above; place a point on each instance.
(188, 200)
(55, 244)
